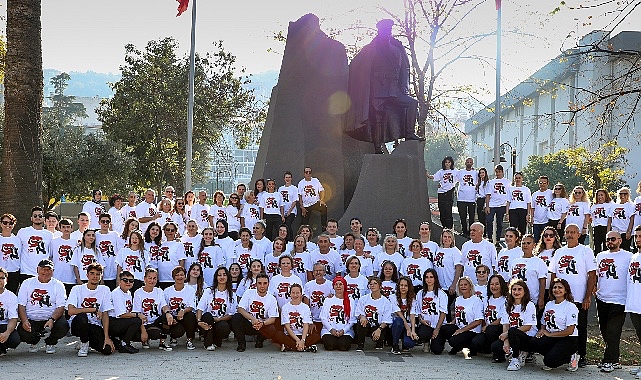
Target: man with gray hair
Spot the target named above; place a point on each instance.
(330, 258)
(146, 210)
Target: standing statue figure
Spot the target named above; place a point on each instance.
(381, 109)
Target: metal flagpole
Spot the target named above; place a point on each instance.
(497, 102)
(190, 105)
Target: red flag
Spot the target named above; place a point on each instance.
(498, 5)
(182, 6)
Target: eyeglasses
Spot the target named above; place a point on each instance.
(548, 235)
(578, 192)
(8, 222)
(127, 280)
(481, 272)
(557, 188)
(180, 204)
(626, 194)
(105, 221)
(234, 198)
(38, 216)
(308, 172)
(169, 230)
(611, 239)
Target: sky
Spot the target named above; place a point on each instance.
(89, 35)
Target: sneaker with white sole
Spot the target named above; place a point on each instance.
(634, 371)
(607, 367)
(145, 345)
(173, 342)
(573, 366)
(211, 348)
(546, 368)
(515, 365)
(33, 348)
(190, 345)
(522, 356)
(51, 349)
(84, 350)
(164, 345)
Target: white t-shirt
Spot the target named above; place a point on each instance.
(573, 265)
(261, 307)
(218, 303)
(519, 197)
(530, 270)
(153, 254)
(250, 215)
(145, 210)
(61, 254)
(429, 306)
(333, 317)
(518, 317)
(82, 257)
(280, 287)
(317, 293)
(415, 268)
(475, 254)
(445, 262)
(11, 247)
(117, 220)
(35, 247)
(271, 203)
(612, 276)
(633, 293)
(243, 256)
(217, 213)
(557, 207)
(429, 249)
(367, 268)
(356, 288)
(637, 212)
(210, 259)
(330, 260)
(302, 264)
(296, 316)
(376, 311)
(191, 245)
(122, 303)
(372, 251)
(263, 247)
(558, 317)
(466, 185)
(107, 245)
(128, 211)
(233, 221)
(170, 255)
(546, 256)
(289, 195)
(178, 300)
(271, 265)
(132, 261)
(621, 214)
(396, 258)
(149, 303)
(599, 213)
(81, 297)
(446, 179)
(577, 213)
(94, 210)
(403, 246)
(200, 214)
(495, 310)
(540, 202)
(388, 289)
(310, 191)
(468, 310)
(8, 307)
(41, 299)
(504, 261)
(498, 191)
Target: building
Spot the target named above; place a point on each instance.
(583, 97)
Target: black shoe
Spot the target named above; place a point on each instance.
(3, 351)
(240, 348)
(360, 347)
(127, 349)
(259, 344)
(379, 344)
(396, 350)
(582, 362)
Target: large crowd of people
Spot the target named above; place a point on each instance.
(146, 272)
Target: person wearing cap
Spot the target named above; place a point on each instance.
(41, 306)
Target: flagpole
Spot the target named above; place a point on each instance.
(497, 102)
(190, 104)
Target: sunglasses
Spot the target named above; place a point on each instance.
(105, 221)
(38, 216)
(127, 280)
(611, 239)
(8, 222)
(557, 188)
(308, 172)
(548, 235)
(481, 272)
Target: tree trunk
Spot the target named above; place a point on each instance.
(21, 184)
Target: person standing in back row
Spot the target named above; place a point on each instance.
(311, 198)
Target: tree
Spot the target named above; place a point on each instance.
(21, 183)
(148, 112)
(555, 166)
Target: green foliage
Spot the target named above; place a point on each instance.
(148, 113)
(555, 166)
(437, 146)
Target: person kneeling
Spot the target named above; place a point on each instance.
(181, 301)
(124, 324)
(374, 314)
(297, 321)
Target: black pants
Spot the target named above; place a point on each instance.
(451, 299)
(519, 341)
(187, 325)
(636, 322)
(124, 329)
(323, 214)
(59, 331)
(218, 331)
(457, 342)
(425, 333)
(364, 332)
(68, 288)
(164, 285)
(537, 230)
(12, 342)
(466, 212)
(483, 341)
(88, 332)
(445, 203)
(582, 328)
(272, 222)
(518, 219)
(556, 351)
(111, 284)
(561, 231)
(480, 211)
(13, 282)
(598, 234)
(241, 327)
(331, 342)
(611, 318)
(155, 331)
(626, 241)
(289, 220)
(495, 213)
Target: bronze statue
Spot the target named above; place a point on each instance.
(381, 108)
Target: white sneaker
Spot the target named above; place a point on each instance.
(50, 349)
(173, 342)
(211, 348)
(145, 345)
(573, 366)
(33, 348)
(522, 356)
(515, 365)
(84, 350)
(634, 371)
(190, 345)
(164, 345)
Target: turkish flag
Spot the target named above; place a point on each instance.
(182, 6)
(498, 5)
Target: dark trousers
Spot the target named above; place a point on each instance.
(518, 219)
(561, 231)
(13, 282)
(218, 331)
(399, 332)
(425, 333)
(88, 332)
(457, 342)
(451, 299)
(155, 331)
(331, 342)
(483, 341)
(499, 213)
(445, 204)
(598, 234)
(272, 222)
(164, 285)
(12, 342)
(519, 341)
(111, 284)
(323, 214)
(59, 331)
(556, 351)
(626, 241)
(611, 318)
(241, 327)
(466, 212)
(480, 211)
(582, 327)
(187, 325)
(124, 329)
(68, 288)
(363, 332)
(289, 220)
(537, 230)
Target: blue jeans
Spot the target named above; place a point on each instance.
(489, 222)
(398, 331)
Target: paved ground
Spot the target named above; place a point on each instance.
(266, 363)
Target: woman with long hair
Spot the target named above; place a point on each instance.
(621, 217)
(545, 249)
(256, 267)
(400, 231)
(259, 188)
(415, 265)
(131, 225)
(558, 208)
(445, 178)
(232, 214)
(337, 319)
(149, 302)
(236, 275)
(172, 254)
(302, 258)
(531, 269)
(374, 324)
(305, 230)
(447, 263)
(210, 256)
(601, 208)
(217, 212)
(430, 309)
(283, 233)
(272, 209)
(271, 260)
(509, 253)
(481, 192)
(196, 280)
(494, 315)
(245, 251)
(132, 258)
(190, 201)
(180, 215)
(389, 278)
(425, 237)
(579, 211)
(153, 240)
(519, 203)
(215, 310)
(401, 321)
(85, 254)
(355, 280)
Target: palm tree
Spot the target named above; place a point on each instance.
(21, 183)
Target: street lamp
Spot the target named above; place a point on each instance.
(513, 154)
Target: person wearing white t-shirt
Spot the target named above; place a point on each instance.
(149, 302)
(51, 223)
(257, 313)
(637, 206)
(200, 210)
(181, 300)
(495, 201)
(94, 208)
(531, 269)
(389, 253)
(539, 211)
(466, 196)
(115, 210)
(328, 257)
(41, 307)
(215, 310)
(250, 213)
(124, 324)
(481, 191)
(85, 254)
(9, 337)
(272, 209)
(633, 290)
(477, 251)
(133, 259)
(171, 254)
(495, 315)
(446, 178)
(577, 265)
(425, 237)
(89, 305)
(558, 208)
(191, 241)
(129, 210)
(311, 198)
(579, 211)
(34, 241)
(218, 211)
(508, 254)
(263, 244)
(621, 217)
(280, 284)
(338, 318)
(332, 231)
(599, 211)
(366, 266)
(147, 211)
(400, 231)
(10, 247)
(289, 193)
(233, 211)
(447, 263)
(373, 315)
(296, 318)
(415, 265)
(430, 308)
(317, 291)
(519, 203)
(612, 268)
(61, 252)
(107, 243)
